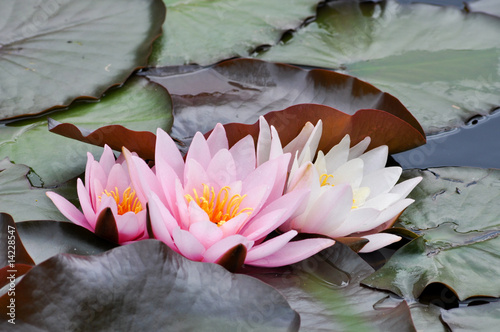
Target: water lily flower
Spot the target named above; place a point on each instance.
(352, 192)
(219, 198)
(109, 202)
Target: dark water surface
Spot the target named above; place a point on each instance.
(476, 144)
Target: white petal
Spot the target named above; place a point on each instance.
(375, 159)
(338, 155)
(378, 241)
(381, 181)
(359, 148)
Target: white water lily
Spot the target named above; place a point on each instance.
(352, 192)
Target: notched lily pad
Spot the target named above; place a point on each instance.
(243, 89)
(205, 32)
(24, 202)
(116, 136)
(383, 128)
(145, 286)
(457, 214)
(484, 317)
(52, 52)
(138, 105)
(444, 76)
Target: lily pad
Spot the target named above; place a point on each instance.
(485, 6)
(139, 105)
(243, 89)
(144, 286)
(52, 52)
(444, 76)
(205, 32)
(456, 212)
(485, 317)
(325, 290)
(24, 202)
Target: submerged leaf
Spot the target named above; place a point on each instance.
(205, 32)
(52, 52)
(456, 212)
(444, 76)
(144, 286)
(484, 317)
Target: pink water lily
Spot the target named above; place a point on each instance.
(352, 192)
(110, 205)
(220, 197)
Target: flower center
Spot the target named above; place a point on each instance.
(129, 202)
(324, 179)
(219, 207)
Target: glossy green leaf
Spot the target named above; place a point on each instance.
(443, 75)
(24, 202)
(456, 212)
(144, 286)
(485, 317)
(138, 105)
(325, 291)
(205, 32)
(243, 89)
(52, 52)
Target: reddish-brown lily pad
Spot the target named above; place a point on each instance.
(116, 136)
(382, 127)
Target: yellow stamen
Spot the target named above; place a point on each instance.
(323, 179)
(219, 207)
(128, 202)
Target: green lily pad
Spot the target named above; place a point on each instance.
(444, 76)
(456, 212)
(485, 6)
(144, 286)
(139, 105)
(485, 317)
(24, 202)
(426, 318)
(52, 52)
(205, 32)
(326, 292)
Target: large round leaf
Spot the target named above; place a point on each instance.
(138, 105)
(325, 290)
(443, 75)
(144, 286)
(204, 32)
(456, 210)
(241, 90)
(24, 202)
(52, 52)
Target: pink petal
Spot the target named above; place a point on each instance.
(281, 176)
(194, 177)
(69, 210)
(206, 232)
(107, 159)
(329, 210)
(234, 225)
(222, 169)
(269, 247)
(166, 152)
(167, 178)
(267, 221)
(276, 149)
(143, 179)
(131, 226)
(221, 247)
(162, 222)
(243, 153)
(87, 208)
(217, 139)
(378, 241)
(199, 151)
(294, 252)
(188, 244)
(117, 178)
